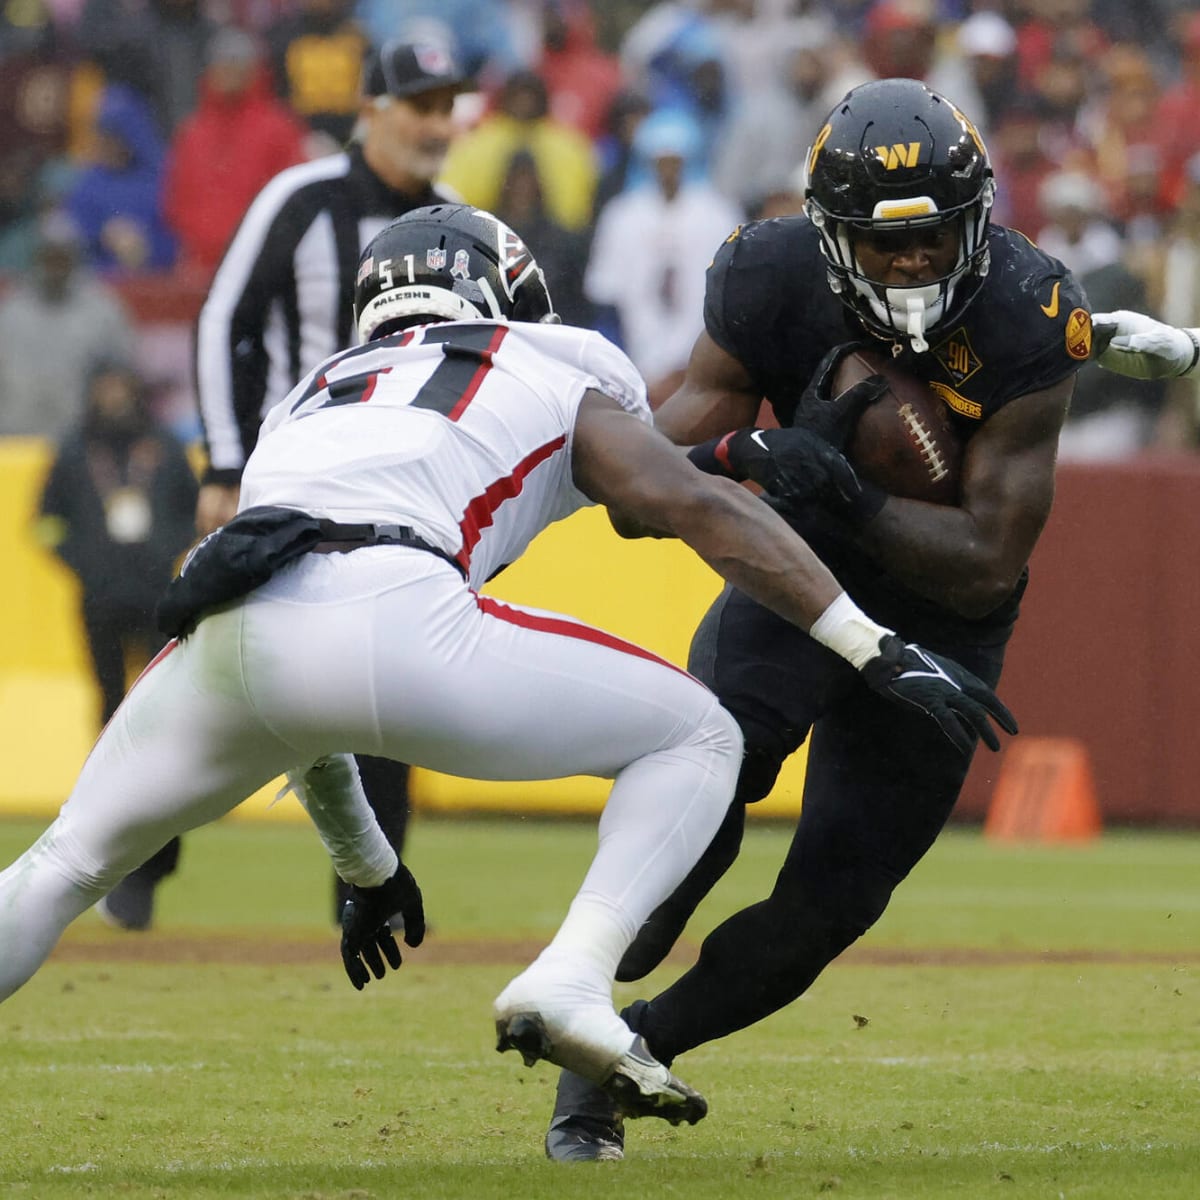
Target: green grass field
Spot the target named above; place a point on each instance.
(1024, 1022)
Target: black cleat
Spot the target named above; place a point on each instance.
(130, 905)
(640, 1086)
(585, 1127)
(525, 1033)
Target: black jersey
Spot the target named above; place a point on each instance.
(768, 305)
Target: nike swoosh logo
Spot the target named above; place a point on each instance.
(757, 438)
(928, 675)
(1051, 309)
(934, 672)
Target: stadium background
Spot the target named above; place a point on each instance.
(1107, 652)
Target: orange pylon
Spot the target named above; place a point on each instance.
(1045, 793)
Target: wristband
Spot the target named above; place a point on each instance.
(222, 476)
(1195, 354)
(846, 630)
(712, 457)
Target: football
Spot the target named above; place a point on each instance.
(905, 442)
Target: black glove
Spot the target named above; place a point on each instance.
(366, 935)
(794, 466)
(833, 418)
(958, 701)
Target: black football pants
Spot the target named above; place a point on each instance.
(879, 786)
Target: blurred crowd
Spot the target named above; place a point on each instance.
(622, 140)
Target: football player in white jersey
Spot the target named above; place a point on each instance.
(338, 613)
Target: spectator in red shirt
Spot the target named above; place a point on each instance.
(1022, 164)
(239, 137)
(1175, 118)
(1121, 131)
(1056, 29)
(582, 79)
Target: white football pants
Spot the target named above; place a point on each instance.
(386, 651)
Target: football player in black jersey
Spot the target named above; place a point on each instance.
(898, 252)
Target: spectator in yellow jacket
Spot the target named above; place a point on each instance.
(566, 160)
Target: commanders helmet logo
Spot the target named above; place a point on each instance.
(899, 155)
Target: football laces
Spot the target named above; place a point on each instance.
(926, 444)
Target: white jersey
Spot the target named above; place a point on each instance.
(462, 431)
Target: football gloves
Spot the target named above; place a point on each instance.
(959, 702)
(1133, 344)
(833, 418)
(793, 465)
(367, 938)
(804, 464)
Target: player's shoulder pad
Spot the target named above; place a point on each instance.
(1043, 305)
(603, 365)
(772, 244)
(757, 272)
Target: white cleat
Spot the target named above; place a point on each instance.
(641, 1086)
(570, 1023)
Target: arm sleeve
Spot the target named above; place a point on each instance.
(332, 795)
(231, 362)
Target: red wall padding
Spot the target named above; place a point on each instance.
(1107, 649)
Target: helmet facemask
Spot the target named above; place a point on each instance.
(895, 160)
(908, 311)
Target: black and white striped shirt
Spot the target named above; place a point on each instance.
(282, 298)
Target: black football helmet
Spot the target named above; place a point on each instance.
(896, 156)
(447, 262)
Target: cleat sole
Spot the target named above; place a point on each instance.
(525, 1033)
(686, 1107)
(641, 1086)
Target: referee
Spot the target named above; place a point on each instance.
(281, 302)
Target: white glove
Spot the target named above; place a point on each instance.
(1133, 344)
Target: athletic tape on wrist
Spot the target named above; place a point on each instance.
(846, 630)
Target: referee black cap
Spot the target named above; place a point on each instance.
(409, 68)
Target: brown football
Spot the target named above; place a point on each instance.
(905, 442)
